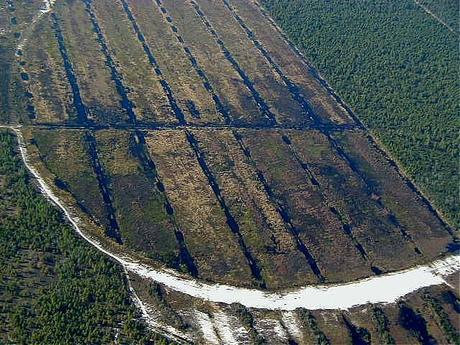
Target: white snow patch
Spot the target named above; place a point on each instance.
(271, 330)
(291, 323)
(379, 289)
(147, 313)
(228, 329)
(206, 327)
(47, 6)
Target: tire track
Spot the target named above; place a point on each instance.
(113, 230)
(139, 147)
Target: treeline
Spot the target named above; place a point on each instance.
(55, 288)
(398, 71)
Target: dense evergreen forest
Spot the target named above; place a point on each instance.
(397, 68)
(55, 288)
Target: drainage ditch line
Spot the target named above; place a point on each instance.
(231, 222)
(263, 108)
(153, 62)
(113, 230)
(260, 102)
(281, 211)
(356, 119)
(296, 95)
(346, 226)
(165, 126)
(140, 146)
(294, 90)
(255, 270)
(194, 62)
(82, 112)
(288, 223)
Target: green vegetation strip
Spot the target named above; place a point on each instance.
(55, 288)
(398, 71)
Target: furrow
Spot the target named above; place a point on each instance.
(153, 62)
(412, 187)
(199, 71)
(143, 126)
(140, 150)
(261, 104)
(233, 225)
(113, 230)
(143, 155)
(294, 90)
(264, 110)
(359, 123)
(296, 94)
(311, 69)
(281, 210)
(347, 228)
(116, 76)
(255, 270)
(231, 222)
(82, 112)
(392, 218)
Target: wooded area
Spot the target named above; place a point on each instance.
(55, 288)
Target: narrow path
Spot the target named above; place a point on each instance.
(435, 16)
(386, 288)
(171, 126)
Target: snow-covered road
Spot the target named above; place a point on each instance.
(386, 288)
